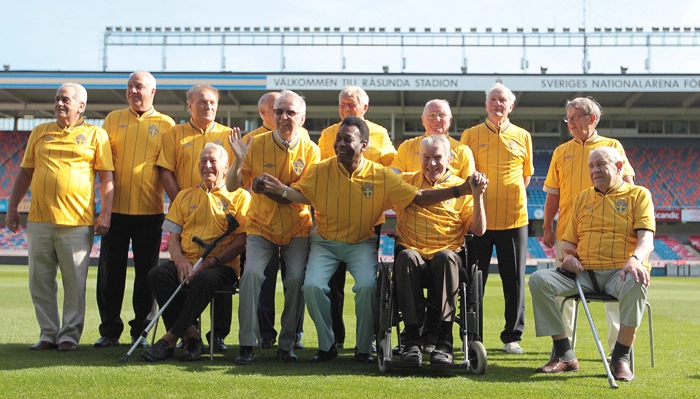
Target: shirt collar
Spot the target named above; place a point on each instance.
(490, 126)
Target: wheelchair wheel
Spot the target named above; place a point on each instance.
(384, 350)
(477, 358)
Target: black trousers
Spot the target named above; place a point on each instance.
(144, 233)
(186, 307)
(511, 250)
(337, 295)
(266, 304)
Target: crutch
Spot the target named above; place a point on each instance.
(232, 225)
(611, 380)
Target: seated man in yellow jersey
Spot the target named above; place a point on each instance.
(353, 101)
(135, 136)
(349, 194)
(606, 246)
(178, 162)
(567, 177)
(276, 227)
(266, 307)
(428, 241)
(436, 118)
(59, 164)
(197, 212)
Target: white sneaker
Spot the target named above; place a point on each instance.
(513, 348)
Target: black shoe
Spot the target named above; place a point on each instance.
(106, 342)
(219, 345)
(143, 342)
(193, 349)
(366, 358)
(161, 350)
(323, 356)
(412, 355)
(245, 357)
(298, 346)
(267, 343)
(442, 354)
(286, 356)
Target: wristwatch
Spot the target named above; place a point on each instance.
(284, 192)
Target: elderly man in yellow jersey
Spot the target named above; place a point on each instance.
(60, 164)
(135, 136)
(198, 212)
(276, 227)
(353, 101)
(503, 152)
(436, 118)
(567, 177)
(428, 242)
(349, 194)
(266, 307)
(606, 246)
(178, 162)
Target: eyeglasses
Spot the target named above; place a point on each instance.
(290, 112)
(438, 116)
(573, 118)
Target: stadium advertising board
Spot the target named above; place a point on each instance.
(690, 215)
(531, 83)
(667, 215)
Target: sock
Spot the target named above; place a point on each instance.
(412, 335)
(621, 353)
(562, 349)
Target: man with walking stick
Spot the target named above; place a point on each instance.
(197, 212)
(606, 246)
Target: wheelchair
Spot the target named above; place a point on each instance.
(469, 318)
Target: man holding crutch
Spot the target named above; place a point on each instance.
(606, 246)
(197, 212)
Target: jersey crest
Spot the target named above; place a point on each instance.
(80, 140)
(153, 130)
(221, 206)
(298, 166)
(367, 189)
(621, 206)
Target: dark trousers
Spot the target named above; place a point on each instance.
(144, 233)
(441, 273)
(511, 250)
(337, 295)
(186, 307)
(266, 304)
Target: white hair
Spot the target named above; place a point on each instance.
(223, 155)
(80, 92)
(511, 96)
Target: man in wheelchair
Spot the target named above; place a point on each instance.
(428, 241)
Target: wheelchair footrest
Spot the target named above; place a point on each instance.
(457, 365)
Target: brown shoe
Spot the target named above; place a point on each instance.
(621, 371)
(42, 345)
(67, 346)
(556, 365)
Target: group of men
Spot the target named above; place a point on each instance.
(272, 179)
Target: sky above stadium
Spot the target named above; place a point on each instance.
(50, 35)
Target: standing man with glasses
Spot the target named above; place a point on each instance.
(568, 176)
(276, 227)
(266, 307)
(353, 101)
(503, 152)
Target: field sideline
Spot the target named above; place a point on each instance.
(92, 373)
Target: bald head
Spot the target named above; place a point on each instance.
(266, 105)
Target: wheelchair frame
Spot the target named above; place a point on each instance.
(469, 319)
